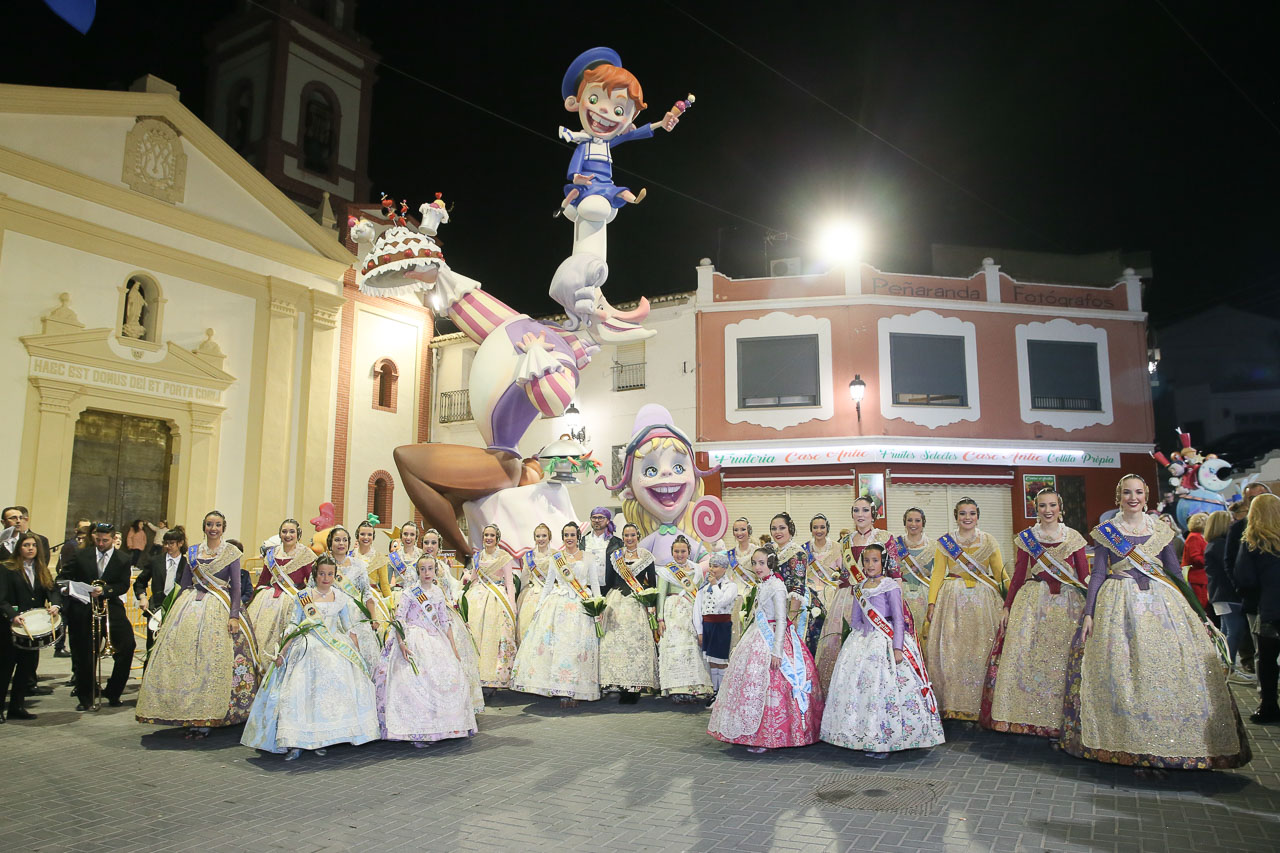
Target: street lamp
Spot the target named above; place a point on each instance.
(840, 242)
(576, 429)
(857, 389)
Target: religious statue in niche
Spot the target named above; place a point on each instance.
(134, 304)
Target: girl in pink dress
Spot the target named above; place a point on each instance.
(770, 697)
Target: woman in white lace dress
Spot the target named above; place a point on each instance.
(682, 670)
(628, 656)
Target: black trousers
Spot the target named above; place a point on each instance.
(1267, 668)
(17, 667)
(82, 653)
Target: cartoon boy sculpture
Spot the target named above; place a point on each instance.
(662, 488)
(606, 98)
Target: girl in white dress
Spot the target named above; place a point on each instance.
(354, 581)
(880, 699)
(682, 671)
(491, 609)
(560, 653)
(534, 566)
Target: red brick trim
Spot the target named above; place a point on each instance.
(383, 512)
(381, 375)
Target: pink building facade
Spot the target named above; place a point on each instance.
(983, 386)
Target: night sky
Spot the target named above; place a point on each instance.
(1067, 127)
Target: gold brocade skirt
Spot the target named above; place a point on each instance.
(960, 637)
(1148, 688)
(628, 656)
(495, 635)
(1027, 677)
(839, 605)
(526, 605)
(269, 614)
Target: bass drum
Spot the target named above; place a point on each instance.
(39, 629)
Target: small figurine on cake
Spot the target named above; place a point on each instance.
(404, 259)
(606, 98)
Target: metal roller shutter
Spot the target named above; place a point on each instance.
(759, 505)
(995, 502)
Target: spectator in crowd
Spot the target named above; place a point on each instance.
(1238, 510)
(161, 573)
(158, 531)
(246, 580)
(19, 518)
(1234, 535)
(1257, 574)
(135, 541)
(78, 539)
(1178, 540)
(1225, 600)
(1193, 560)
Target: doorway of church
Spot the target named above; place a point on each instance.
(120, 469)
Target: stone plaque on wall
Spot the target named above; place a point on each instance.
(154, 160)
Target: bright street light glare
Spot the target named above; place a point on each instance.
(840, 242)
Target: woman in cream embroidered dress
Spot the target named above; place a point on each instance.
(769, 698)
(491, 608)
(628, 657)
(740, 573)
(433, 703)
(682, 669)
(319, 692)
(408, 548)
(271, 607)
(964, 613)
(876, 702)
(828, 552)
(354, 581)
(560, 653)
(201, 672)
(375, 564)
(915, 590)
(1027, 671)
(1145, 685)
(841, 607)
(451, 589)
(534, 567)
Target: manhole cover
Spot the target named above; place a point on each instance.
(874, 792)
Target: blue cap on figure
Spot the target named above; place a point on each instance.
(586, 61)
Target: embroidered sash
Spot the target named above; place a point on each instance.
(967, 565)
(819, 570)
(205, 576)
(905, 559)
(1129, 550)
(396, 561)
(873, 616)
(624, 571)
(420, 595)
(566, 574)
(741, 572)
(349, 587)
(793, 668)
(684, 578)
(498, 592)
(531, 564)
(1050, 564)
(322, 632)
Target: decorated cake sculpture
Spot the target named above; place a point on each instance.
(607, 98)
(523, 369)
(1201, 482)
(662, 491)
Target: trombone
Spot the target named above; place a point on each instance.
(100, 633)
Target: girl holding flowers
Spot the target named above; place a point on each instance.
(682, 672)
(628, 659)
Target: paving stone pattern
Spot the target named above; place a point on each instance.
(600, 777)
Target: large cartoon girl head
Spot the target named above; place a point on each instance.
(660, 482)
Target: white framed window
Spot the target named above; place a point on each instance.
(1063, 376)
(778, 370)
(928, 369)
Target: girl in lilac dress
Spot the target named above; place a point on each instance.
(880, 699)
(423, 693)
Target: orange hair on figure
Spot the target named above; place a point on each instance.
(612, 78)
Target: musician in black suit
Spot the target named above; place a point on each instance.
(162, 572)
(25, 584)
(19, 518)
(107, 565)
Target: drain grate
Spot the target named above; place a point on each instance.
(878, 792)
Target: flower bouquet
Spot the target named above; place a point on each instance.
(303, 628)
(749, 604)
(399, 629)
(595, 608)
(649, 598)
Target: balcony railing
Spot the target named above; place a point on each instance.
(1067, 404)
(628, 377)
(455, 406)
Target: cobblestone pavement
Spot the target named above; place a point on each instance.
(600, 777)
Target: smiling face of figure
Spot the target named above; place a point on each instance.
(1048, 508)
(1133, 495)
(288, 534)
(630, 537)
(430, 543)
(604, 114)
(490, 537)
(967, 517)
(679, 552)
(742, 532)
(760, 565)
(365, 537)
(872, 563)
(913, 521)
(779, 531)
(340, 545)
(541, 538)
(818, 528)
(408, 536)
(569, 536)
(663, 482)
(863, 514)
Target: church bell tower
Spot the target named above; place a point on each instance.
(290, 86)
